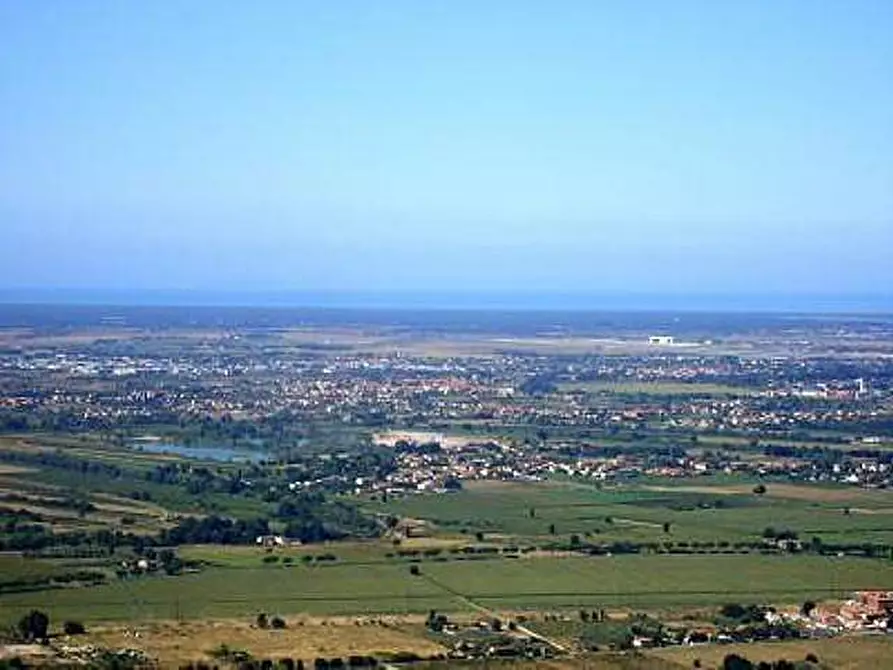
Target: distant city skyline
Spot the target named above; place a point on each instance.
(690, 150)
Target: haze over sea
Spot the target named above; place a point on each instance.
(463, 300)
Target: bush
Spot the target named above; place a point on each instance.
(736, 662)
(277, 622)
(73, 628)
(34, 625)
(262, 621)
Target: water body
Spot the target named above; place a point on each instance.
(880, 302)
(201, 453)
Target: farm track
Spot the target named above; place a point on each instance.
(490, 613)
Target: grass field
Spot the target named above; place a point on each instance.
(696, 511)
(874, 652)
(500, 584)
(174, 643)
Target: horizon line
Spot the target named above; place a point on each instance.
(445, 300)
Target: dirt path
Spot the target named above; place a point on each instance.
(521, 628)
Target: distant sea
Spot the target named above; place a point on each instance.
(877, 303)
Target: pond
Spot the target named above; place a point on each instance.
(200, 452)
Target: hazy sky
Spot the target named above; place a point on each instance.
(674, 146)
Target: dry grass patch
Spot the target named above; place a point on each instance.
(172, 643)
(863, 652)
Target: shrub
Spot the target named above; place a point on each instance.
(277, 622)
(73, 628)
(34, 625)
(736, 662)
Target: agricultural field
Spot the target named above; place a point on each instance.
(531, 583)
(725, 511)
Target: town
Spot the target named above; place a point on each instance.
(541, 489)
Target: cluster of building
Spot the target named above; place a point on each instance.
(866, 610)
(212, 380)
(224, 378)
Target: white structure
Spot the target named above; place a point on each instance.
(664, 340)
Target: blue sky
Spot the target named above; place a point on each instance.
(678, 147)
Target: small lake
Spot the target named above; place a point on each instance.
(200, 453)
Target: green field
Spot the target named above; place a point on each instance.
(700, 511)
(500, 584)
(371, 577)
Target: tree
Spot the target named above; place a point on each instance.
(575, 541)
(736, 662)
(73, 628)
(262, 621)
(759, 489)
(277, 622)
(414, 570)
(479, 536)
(733, 611)
(666, 526)
(34, 625)
(551, 529)
(808, 608)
